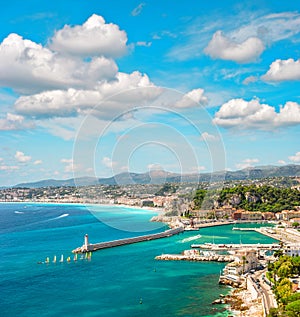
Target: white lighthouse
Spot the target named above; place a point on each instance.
(86, 242)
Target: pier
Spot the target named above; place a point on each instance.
(219, 247)
(88, 247)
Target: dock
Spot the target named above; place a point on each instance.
(88, 247)
(231, 246)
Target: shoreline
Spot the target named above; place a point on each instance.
(249, 305)
(158, 210)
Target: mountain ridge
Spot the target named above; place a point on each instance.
(161, 176)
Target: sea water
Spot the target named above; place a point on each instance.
(121, 281)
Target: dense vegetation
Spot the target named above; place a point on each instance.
(252, 198)
(280, 273)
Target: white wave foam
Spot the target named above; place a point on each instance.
(61, 216)
(19, 212)
(198, 236)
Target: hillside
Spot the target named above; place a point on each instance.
(160, 177)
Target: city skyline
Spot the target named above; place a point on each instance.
(97, 88)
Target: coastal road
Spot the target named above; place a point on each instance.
(264, 290)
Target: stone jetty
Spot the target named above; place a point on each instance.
(88, 247)
(195, 257)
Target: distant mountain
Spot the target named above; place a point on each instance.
(160, 177)
(81, 181)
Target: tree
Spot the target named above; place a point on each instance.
(285, 270)
(284, 289)
(294, 308)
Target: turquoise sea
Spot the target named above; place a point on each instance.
(121, 281)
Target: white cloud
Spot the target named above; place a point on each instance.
(205, 136)
(107, 162)
(283, 70)
(192, 98)
(28, 67)
(247, 163)
(37, 162)
(94, 38)
(196, 169)
(250, 79)
(70, 166)
(271, 28)
(221, 47)
(143, 43)
(267, 28)
(281, 162)
(21, 157)
(137, 10)
(14, 122)
(155, 167)
(295, 158)
(243, 114)
(108, 100)
(8, 168)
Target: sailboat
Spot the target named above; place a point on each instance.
(54, 259)
(61, 258)
(68, 259)
(47, 261)
(75, 257)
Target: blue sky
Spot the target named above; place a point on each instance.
(101, 87)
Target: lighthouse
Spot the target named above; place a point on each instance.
(86, 242)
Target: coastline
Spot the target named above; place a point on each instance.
(158, 210)
(250, 306)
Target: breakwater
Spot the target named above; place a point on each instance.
(196, 258)
(88, 247)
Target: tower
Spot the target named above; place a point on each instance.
(86, 242)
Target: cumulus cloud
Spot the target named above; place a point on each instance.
(246, 163)
(283, 70)
(192, 98)
(242, 114)
(29, 67)
(295, 158)
(221, 47)
(107, 100)
(281, 162)
(21, 157)
(37, 162)
(94, 38)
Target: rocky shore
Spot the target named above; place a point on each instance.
(243, 301)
